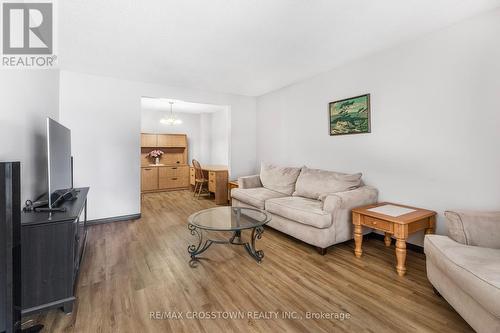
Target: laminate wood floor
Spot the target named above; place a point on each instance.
(134, 268)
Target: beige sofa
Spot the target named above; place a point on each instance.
(309, 204)
(465, 267)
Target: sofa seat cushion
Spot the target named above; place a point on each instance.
(476, 270)
(316, 183)
(302, 210)
(255, 197)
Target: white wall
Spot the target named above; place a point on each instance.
(435, 120)
(27, 97)
(205, 155)
(104, 115)
(219, 145)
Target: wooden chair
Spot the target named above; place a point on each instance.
(199, 179)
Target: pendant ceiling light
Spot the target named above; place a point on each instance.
(171, 119)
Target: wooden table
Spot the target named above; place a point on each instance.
(398, 226)
(217, 176)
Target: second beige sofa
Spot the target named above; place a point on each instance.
(465, 267)
(309, 204)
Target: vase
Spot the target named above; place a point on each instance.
(157, 160)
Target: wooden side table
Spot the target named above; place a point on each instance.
(230, 185)
(398, 226)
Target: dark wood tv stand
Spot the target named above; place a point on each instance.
(53, 246)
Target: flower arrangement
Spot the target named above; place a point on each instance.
(155, 153)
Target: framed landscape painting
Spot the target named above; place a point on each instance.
(350, 115)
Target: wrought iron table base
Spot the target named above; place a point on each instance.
(204, 244)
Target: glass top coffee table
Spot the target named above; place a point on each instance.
(232, 219)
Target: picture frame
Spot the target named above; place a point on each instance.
(350, 116)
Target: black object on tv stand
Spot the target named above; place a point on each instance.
(53, 248)
(10, 246)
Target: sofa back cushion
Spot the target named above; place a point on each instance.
(475, 228)
(316, 183)
(279, 179)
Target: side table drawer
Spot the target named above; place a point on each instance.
(377, 224)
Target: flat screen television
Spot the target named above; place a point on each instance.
(59, 165)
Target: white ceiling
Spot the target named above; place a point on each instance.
(162, 104)
(247, 47)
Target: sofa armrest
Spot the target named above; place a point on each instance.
(249, 182)
(474, 228)
(340, 204)
(361, 196)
